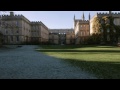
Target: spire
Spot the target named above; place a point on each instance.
(74, 21)
(89, 16)
(74, 17)
(83, 17)
(110, 13)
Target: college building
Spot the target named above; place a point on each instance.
(110, 30)
(17, 29)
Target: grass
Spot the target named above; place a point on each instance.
(103, 61)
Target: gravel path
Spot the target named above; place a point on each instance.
(26, 63)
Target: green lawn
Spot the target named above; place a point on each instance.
(103, 61)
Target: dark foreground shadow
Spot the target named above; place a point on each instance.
(104, 70)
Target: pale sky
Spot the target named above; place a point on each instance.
(57, 19)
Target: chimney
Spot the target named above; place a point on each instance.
(110, 13)
(11, 13)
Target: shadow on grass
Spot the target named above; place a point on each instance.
(60, 46)
(54, 50)
(104, 70)
(74, 46)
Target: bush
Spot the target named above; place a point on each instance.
(94, 39)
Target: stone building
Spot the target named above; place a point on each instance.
(81, 29)
(62, 36)
(116, 17)
(17, 29)
(107, 35)
(44, 33)
(39, 32)
(54, 38)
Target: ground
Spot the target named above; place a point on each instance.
(102, 61)
(27, 63)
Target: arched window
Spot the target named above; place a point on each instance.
(108, 30)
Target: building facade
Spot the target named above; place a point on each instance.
(108, 32)
(61, 36)
(39, 33)
(17, 29)
(81, 29)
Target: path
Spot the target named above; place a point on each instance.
(26, 63)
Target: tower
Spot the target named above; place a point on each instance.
(83, 17)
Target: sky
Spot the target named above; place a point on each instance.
(57, 19)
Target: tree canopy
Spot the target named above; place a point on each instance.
(97, 25)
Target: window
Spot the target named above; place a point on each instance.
(17, 38)
(81, 33)
(108, 30)
(16, 23)
(82, 39)
(108, 38)
(88, 32)
(11, 38)
(85, 33)
(6, 32)
(17, 31)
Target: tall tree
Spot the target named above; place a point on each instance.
(97, 25)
